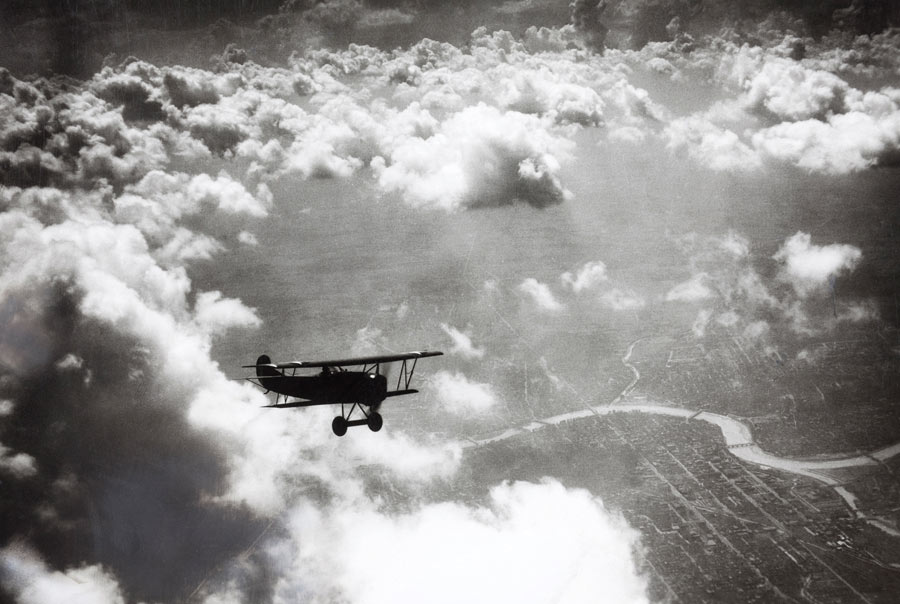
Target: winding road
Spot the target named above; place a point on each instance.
(737, 435)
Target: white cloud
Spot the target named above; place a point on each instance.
(786, 90)
(184, 246)
(619, 299)
(809, 267)
(542, 92)
(792, 112)
(540, 295)
(743, 300)
(589, 276)
(459, 395)
(368, 341)
(247, 238)
(318, 157)
(479, 157)
(160, 200)
(691, 290)
(462, 343)
(215, 314)
(858, 312)
(31, 582)
(70, 362)
(592, 277)
(412, 460)
(531, 543)
(265, 445)
(229, 196)
(698, 327)
(710, 145)
(734, 244)
(20, 465)
(846, 143)
(728, 318)
(756, 330)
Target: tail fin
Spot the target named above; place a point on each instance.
(264, 368)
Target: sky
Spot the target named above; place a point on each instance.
(527, 186)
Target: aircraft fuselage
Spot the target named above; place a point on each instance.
(340, 387)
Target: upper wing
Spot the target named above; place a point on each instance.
(387, 358)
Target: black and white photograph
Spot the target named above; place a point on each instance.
(442, 302)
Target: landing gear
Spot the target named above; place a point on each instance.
(339, 426)
(374, 421)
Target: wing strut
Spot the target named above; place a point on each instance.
(406, 374)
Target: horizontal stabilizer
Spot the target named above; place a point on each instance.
(265, 368)
(401, 392)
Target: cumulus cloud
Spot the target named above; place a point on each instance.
(619, 299)
(540, 295)
(698, 327)
(368, 341)
(543, 93)
(523, 545)
(478, 157)
(586, 16)
(182, 446)
(263, 470)
(99, 301)
(19, 465)
(191, 91)
(785, 90)
(729, 281)
(844, 143)
(798, 113)
(161, 200)
(177, 194)
(461, 396)
(589, 276)
(32, 582)
(462, 343)
(691, 290)
(711, 145)
(809, 267)
(215, 313)
(247, 238)
(592, 278)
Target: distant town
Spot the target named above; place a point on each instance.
(717, 528)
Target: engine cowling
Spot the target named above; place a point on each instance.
(379, 388)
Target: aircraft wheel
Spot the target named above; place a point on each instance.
(375, 421)
(339, 426)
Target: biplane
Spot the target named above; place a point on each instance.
(362, 390)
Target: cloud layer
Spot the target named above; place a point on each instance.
(114, 190)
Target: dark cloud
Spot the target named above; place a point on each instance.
(122, 476)
(134, 96)
(184, 91)
(587, 17)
